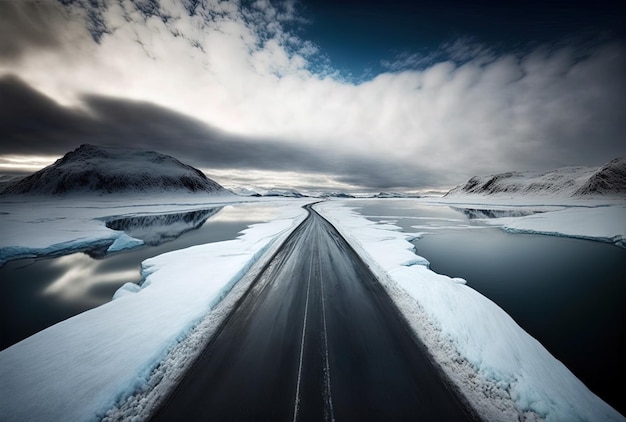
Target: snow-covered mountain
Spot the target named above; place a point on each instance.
(101, 170)
(567, 182)
(391, 195)
(334, 195)
(258, 191)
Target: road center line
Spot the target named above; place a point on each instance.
(327, 371)
(306, 310)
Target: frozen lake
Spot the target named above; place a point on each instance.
(567, 293)
(38, 293)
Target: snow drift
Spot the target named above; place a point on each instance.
(567, 182)
(106, 170)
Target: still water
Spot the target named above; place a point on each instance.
(567, 293)
(38, 293)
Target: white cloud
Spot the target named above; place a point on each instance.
(239, 69)
(24, 163)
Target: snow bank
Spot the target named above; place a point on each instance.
(78, 369)
(502, 371)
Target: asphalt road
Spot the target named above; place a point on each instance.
(315, 338)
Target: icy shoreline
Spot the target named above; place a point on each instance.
(503, 372)
(80, 368)
(52, 375)
(37, 226)
(598, 220)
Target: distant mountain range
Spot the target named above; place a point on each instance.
(292, 193)
(92, 169)
(105, 170)
(608, 180)
(257, 191)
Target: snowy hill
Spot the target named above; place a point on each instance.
(334, 195)
(610, 179)
(392, 195)
(101, 170)
(567, 182)
(258, 191)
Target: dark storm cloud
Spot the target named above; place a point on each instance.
(27, 26)
(31, 123)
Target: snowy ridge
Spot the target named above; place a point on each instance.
(567, 182)
(105, 170)
(389, 195)
(52, 376)
(610, 179)
(503, 373)
(258, 192)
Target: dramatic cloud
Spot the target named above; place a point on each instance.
(26, 27)
(30, 121)
(258, 96)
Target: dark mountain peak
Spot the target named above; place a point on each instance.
(608, 180)
(93, 168)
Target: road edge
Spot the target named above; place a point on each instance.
(143, 404)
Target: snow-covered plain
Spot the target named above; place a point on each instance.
(502, 371)
(80, 368)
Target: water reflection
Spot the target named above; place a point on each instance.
(567, 293)
(247, 213)
(476, 213)
(81, 279)
(40, 292)
(157, 229)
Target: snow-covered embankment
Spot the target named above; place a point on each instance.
(502, 371)
(78, 369)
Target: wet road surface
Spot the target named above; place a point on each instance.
(316, 338)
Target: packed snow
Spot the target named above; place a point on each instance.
(80, 368)
(503, 373)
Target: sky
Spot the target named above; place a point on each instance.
(317, 94)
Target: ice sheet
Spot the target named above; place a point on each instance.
(39, 226)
